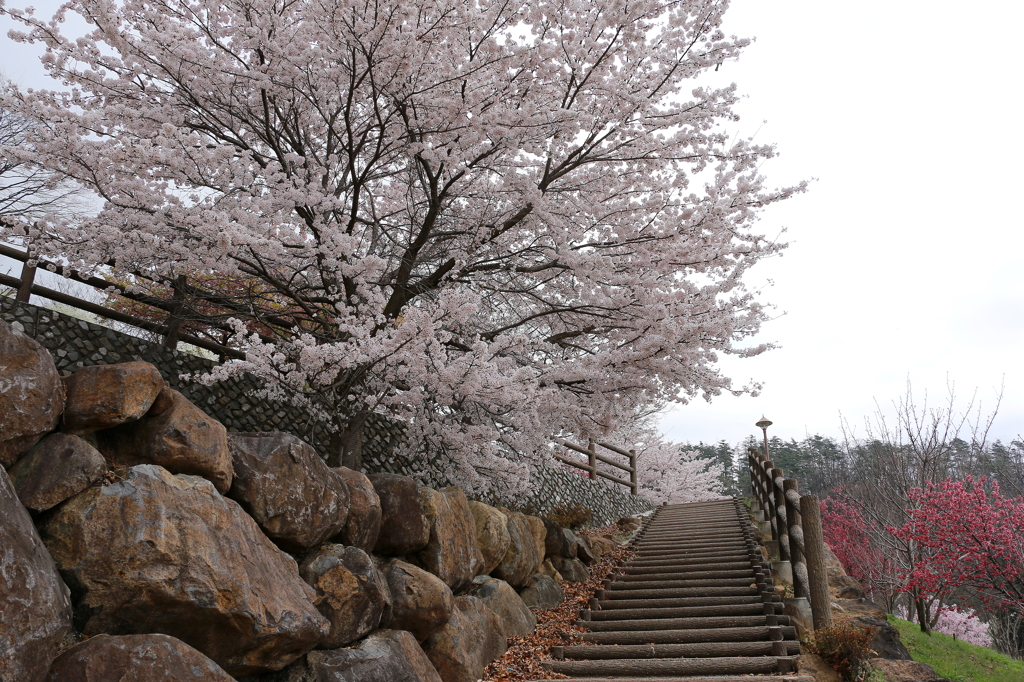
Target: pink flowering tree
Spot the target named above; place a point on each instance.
(495, 221)
(976, 542)
(963, 624)
(666, 472)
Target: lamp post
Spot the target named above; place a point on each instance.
(763, 424)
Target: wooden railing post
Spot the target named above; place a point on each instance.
(814, 551)
(632, 471)
(174, 317)
(796, 538)
(28, 276)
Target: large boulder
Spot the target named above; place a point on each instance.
(885, 638)
(103, 396)
(364, 514)
(539, 533)
(57, 467)
(350, 592)
(420, 601)
(451, 552)
(572, 570)
(542, 593)
(601, 544)
(295, 498)
(467, 643)
(384, 656)
(522, 558)
(35, 612)
(135, 658)
(491, 534)
(176, 435)
(163, 553)
(556, 543)
(31, 394)
(547, 568)
(514, 617)
(905, 671)
(404, 528)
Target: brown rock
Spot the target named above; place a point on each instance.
(491, 534)
(350, 592)
(885, 640)
(583, 552)
(547, 568)
(905, 671)
(521, 560)
(601, 545)
(163, 553)
(384, 656)
(539, 533)
(59, 466)
(514, 617)
(420, 601)
(295, 498)
(556, 542)
(451, 552)
(102, 396)
(35, 612)
(817, 667)
(573, 570)
(176, 435)
(135, 658)
(404, 529)
(467, 643)
(31, 393)
(542, 593)
(364, 514)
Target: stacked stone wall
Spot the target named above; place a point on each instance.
(75, 343)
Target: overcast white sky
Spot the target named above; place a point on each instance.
(906, 255)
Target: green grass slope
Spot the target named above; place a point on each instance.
(957, 660)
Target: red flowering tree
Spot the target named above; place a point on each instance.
(976, 538)
(852, 539)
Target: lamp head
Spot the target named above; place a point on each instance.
(763, 423)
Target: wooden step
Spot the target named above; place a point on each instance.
(741, 572)
(706, 623)
(595, 652)
(759, 633)
(680, 592)
(679, 602)
(684, 612)
(678, 666)
(716, 678)
(671, 584)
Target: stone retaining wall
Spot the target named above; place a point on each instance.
(75, 343)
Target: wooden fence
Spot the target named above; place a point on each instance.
(794, 523)
(169, 329)
(593, 457)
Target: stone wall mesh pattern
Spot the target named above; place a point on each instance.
(75, 343)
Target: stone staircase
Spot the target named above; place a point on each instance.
(695, 604)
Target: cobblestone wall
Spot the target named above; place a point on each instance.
(75, 343)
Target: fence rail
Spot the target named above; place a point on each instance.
(593, 457)
(793, 521)
(25, 286)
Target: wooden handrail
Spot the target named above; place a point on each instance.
(796, 525)
(593, 457)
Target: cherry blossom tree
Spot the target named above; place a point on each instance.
(495, 221)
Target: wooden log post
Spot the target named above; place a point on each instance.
(592, 459)
(632, 471)
(174, 318)
(28, 276)
(814, 551)
(796, 538)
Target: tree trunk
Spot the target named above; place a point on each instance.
(347, 443)
(922, 615)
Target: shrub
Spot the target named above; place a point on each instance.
(569, 515)
(845, 648)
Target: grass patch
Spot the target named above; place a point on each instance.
(955, 659)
